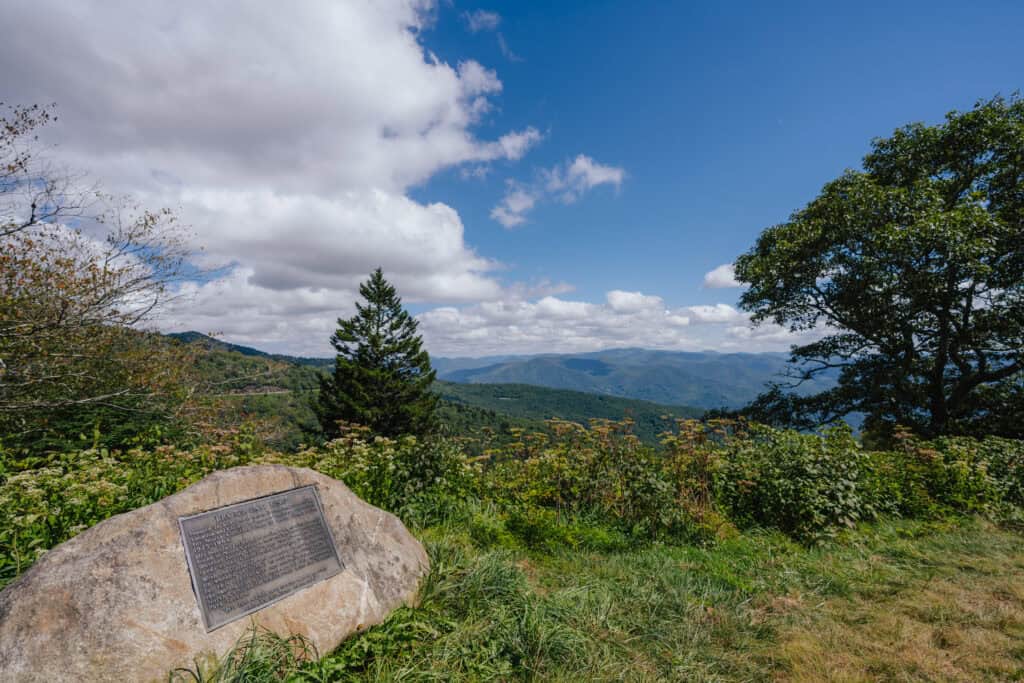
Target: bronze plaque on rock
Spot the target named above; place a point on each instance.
(246, 556)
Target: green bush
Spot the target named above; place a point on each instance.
(420, 480)
(806, 485)
(950, 475)
(1004, 460)
(66, 493)
(603, 472)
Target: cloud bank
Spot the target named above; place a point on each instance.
(626, 319)
(291, 147)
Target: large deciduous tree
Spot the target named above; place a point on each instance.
(382, 376)
(80, 276)
(912, 273)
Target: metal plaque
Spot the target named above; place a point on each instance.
(246, 556)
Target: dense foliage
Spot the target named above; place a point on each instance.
(802, 484)
(382, 375)
(600, 491)
(912, 270)
(81, 274)
(596, 487)
(534, 404)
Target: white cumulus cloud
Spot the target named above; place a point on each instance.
(719, 313)
(552, 324)
(289, 145)
(515, 145)
(567, 182)
(514, 205)
(632, 302)
(722, 277)
(581, 175)
(555, 324)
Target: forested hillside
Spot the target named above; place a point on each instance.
(214, 343)
(539, 403)
(273, 392)
(704, 379)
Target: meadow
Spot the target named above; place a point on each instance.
(730, 552)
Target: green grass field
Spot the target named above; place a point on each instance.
(727, 555)
(893, 601)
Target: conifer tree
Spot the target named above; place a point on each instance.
(382, 376)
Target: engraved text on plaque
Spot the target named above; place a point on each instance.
(246, 556)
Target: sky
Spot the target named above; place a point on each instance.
(532, 176)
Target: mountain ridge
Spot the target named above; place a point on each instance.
(698, 379)
(706, 379)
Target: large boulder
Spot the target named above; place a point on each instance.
(116, 602)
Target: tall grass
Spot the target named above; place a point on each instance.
(588, 555)
(948, 594)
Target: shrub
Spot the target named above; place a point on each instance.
(419, 480)
(951, 475)
(67, 493)
(1004, 460)
(693, 453)
(603, 471)
(806, 485)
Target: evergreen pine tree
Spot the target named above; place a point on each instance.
(382, 374)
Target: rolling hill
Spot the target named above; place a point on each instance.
(278, 387)
(704, 379)
(535, 404)
(192, 337)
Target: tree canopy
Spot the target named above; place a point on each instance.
(382, 374)
(910, 275)
(81, 274)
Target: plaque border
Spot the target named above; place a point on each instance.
(201, 605)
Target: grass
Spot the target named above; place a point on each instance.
(897, 600)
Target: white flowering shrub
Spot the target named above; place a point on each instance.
(69, 492)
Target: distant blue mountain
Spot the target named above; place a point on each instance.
(445, 365)
(705, 379)
(193, 337)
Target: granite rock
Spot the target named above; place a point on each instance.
(116, 601)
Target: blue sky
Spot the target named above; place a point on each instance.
(533, 176)
(725, 116)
